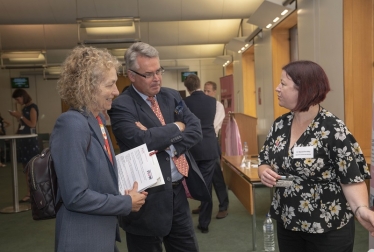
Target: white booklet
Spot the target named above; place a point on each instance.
(138, 165)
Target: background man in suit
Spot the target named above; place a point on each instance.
(148, 113)
(220, 187)
(206, 152)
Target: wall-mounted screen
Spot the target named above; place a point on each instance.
(20, 82)
(185, 74)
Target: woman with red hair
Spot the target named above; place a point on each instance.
(322, 163)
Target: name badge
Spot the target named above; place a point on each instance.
(103, 131)
(303, 152)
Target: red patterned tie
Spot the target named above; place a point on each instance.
(181, 162)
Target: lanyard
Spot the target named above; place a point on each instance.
(107, 148)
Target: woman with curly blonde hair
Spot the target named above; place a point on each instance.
(84, 158)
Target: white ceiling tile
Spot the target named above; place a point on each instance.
(239, 8)
(25, 37)
(163, 33)
(202, 10)
(160, 10)
(180, 29)
(167, 52)
(223, 30)
(61, 36)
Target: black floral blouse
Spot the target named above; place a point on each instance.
(315, 203)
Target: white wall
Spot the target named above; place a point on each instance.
(44, 93)
(264, 80)
(320, 27)
(206, 71)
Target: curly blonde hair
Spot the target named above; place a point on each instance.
(82, 72)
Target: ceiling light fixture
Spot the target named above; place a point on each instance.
(270, 10)
(223, 60)
(238, 44)
(9, 58)
(119, 53)
(284, 12)
(116, 30)
(53, 69)
(23, 56)
(108, 26)
(52, 72)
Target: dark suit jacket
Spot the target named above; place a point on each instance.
(155, 217)
(204, 107)
(87, 185)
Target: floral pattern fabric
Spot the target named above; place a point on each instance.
(315, 203)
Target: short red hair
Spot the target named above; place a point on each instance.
(311, 81)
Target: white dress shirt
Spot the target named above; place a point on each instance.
(218, 118)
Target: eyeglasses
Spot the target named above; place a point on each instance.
(149, 75)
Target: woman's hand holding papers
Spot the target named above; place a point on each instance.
(137, 198)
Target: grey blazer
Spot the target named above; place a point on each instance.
(88, 186)
(155, 217)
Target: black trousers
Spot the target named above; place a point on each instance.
(339, 240)
(220, 187)
(207, 170)
(182, 236)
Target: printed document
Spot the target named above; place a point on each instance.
(138, 165)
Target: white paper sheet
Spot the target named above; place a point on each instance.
(137, 165)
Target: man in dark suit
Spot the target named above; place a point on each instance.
(148, 113)
(219, 185)
(207, 151)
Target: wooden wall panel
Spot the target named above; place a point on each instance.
(122, 82)
(247, 126)
(249, 86)
(229, 69)
(358, 70)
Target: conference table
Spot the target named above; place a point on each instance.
(16, 207)
(243, 181)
